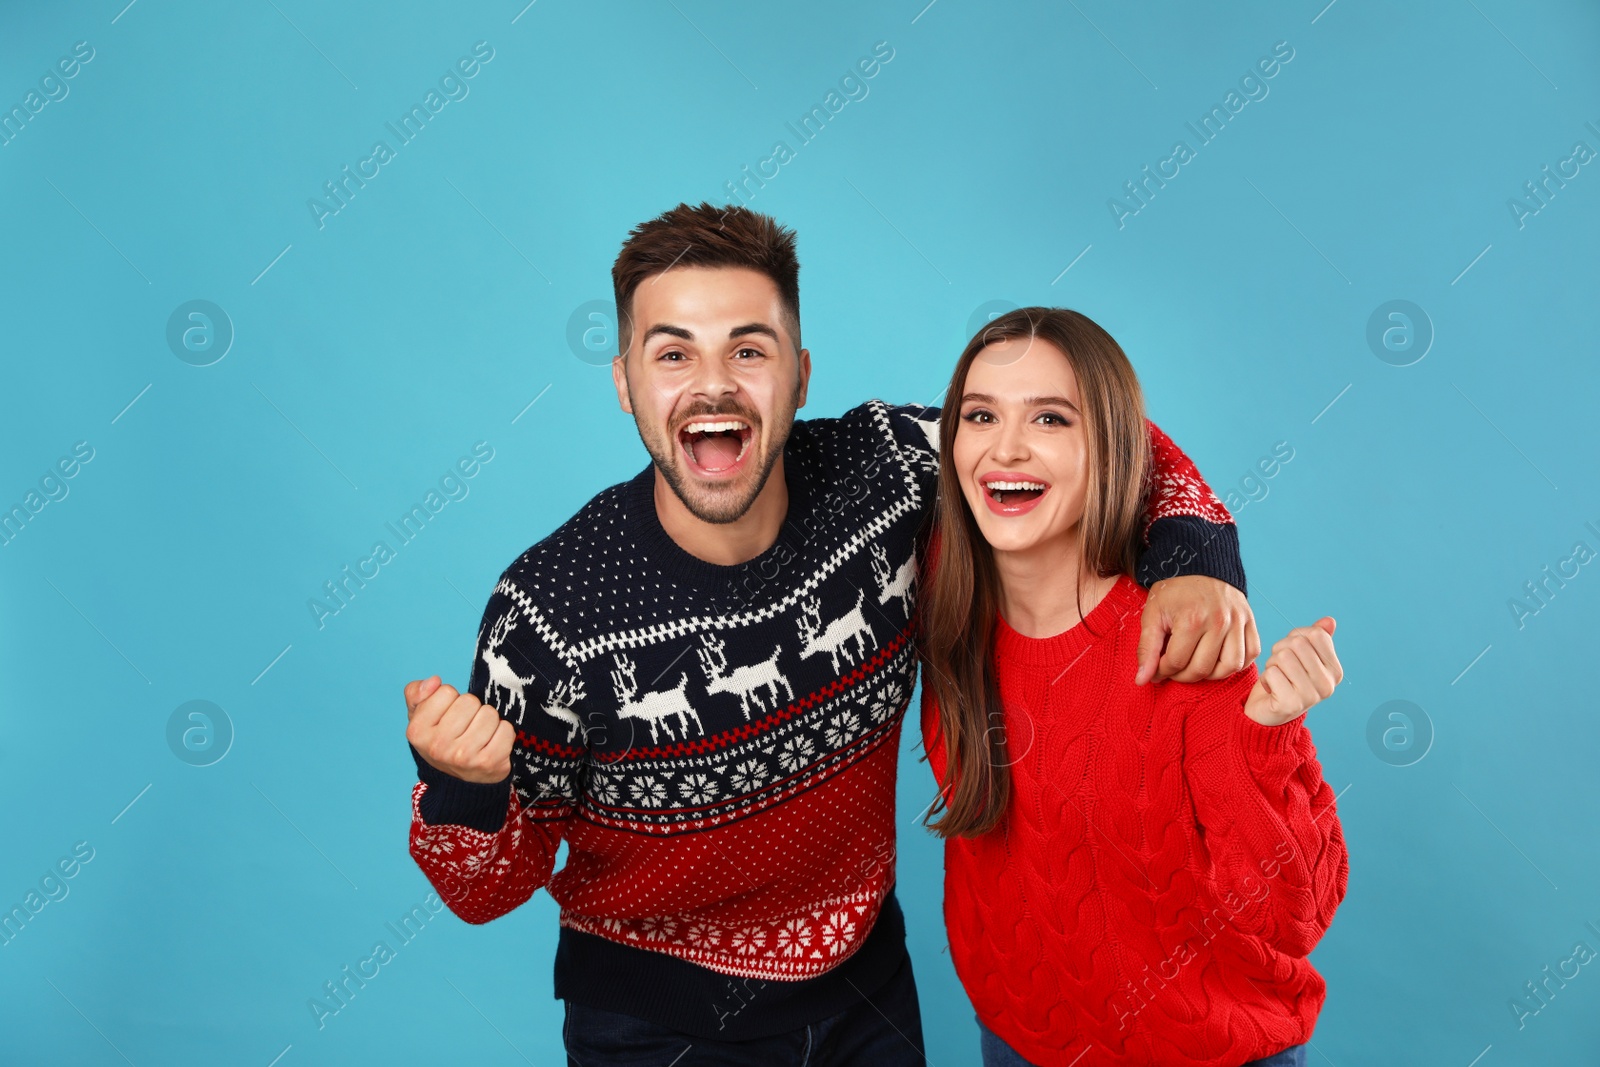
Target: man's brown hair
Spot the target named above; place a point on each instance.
(707, 236)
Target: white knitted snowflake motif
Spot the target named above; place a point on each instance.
(698, 789)
(647, 792)
(842, 728)
(748, 776)
(837, 932)
(794, 937)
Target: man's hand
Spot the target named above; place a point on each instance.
(1301, 671)
(1205, 626)
(457, 733)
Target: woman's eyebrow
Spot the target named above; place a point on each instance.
(1057, 401)
(1031, 401)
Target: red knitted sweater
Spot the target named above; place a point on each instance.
(1164, 866)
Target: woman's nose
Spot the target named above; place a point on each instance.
(1012, 443)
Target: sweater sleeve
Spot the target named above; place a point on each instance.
(1187, 529)
(1266, 817)
(481, 847)
(914, 431)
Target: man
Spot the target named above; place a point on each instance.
(698, 682)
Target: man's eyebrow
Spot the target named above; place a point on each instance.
(753, 327)
(686, 335)
(671, 331)
(1031, 401)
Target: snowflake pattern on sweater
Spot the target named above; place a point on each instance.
(717, 745)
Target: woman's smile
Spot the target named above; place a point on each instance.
(1010, 493)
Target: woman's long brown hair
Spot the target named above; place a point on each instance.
(960, 596)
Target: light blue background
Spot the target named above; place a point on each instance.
(433, 309)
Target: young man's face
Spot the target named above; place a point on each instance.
(712, 379)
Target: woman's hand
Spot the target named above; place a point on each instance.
(1301, 671)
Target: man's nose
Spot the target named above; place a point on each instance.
(713, 379)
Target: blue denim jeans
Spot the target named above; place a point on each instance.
(997, 1053)
(885, 1031)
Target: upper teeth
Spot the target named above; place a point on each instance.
(1014, 485)
(712, 427)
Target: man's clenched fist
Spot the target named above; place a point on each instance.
(457, 733)
(1195, 628)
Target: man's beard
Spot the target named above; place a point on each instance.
(727, 503)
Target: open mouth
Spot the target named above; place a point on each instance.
(1009, 494)
(715, 446)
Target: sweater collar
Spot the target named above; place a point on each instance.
(652, 540)
(1120, 604)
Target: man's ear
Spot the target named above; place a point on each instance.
(805, 377)
(619, 378)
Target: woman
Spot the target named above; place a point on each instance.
(1133, 874)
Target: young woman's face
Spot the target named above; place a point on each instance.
(1020, 451)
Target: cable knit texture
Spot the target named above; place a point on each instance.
(1163, 868)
